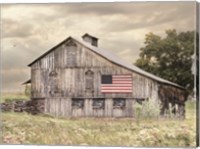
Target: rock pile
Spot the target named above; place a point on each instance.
(35, 106)
(30, 106)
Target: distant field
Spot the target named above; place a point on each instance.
(28, 129)
(12, 97)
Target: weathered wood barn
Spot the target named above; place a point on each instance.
(76, 78)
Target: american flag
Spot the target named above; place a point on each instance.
(119, 84)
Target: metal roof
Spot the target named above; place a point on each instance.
(115, 59)
(86, 34)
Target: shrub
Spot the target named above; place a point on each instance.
(149, 109)
(138, 109)
(8, 100)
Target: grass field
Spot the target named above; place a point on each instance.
(12, 96)
(22, 128)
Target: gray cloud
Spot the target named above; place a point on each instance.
(116, 8)
(12, 79)
(31, 29)
(13, 28)
(148, 17)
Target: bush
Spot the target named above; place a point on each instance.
(149, 109)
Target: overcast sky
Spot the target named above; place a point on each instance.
(30, 30)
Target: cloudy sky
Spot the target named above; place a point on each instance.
(30, 30)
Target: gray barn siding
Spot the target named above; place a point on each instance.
(62, 107)
(70, 82)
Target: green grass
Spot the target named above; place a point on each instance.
(22, 128)
(6, 97)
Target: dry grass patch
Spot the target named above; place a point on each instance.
(22, 128)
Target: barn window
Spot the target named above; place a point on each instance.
(119, 103)
(71, 54)
(98, 103)
(94, 42)
(53, 83)
(106, 79)
(77, 103)
(89, 80)
(53, 73)
(140, 100)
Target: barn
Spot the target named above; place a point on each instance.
(76, 78)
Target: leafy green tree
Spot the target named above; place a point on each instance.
(169, 57)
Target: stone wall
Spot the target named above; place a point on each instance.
(30, 106)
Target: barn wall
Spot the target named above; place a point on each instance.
(63, 107)
(58, 79)
(144, 87)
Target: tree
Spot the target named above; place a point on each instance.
(169, 57)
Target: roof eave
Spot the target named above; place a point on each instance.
(27, 82)
(89, 35)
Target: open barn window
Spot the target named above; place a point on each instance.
(89, 80)
(141, 100)
(98, 103)
(53, 83)
(53, 73)
(77, 103)
(71, 54)
(119, 103)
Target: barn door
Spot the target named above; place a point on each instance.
(53, 84)
(89, 82)
(77, 107)
(98, 106)
(119, 106)
(71, 54)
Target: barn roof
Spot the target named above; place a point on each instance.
(112, 58)
(86, 34)
(27, 82)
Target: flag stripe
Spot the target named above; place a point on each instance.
(116, 91)
(127, 79)
(113, 85)
(123, 76)
(122, 79)
(123, 88)
(122, 82)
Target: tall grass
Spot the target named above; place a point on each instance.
(22, 128)
(10, 96)
(149, 109)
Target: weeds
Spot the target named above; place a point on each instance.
(147, 110)
(9, 97)
(22, 128)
